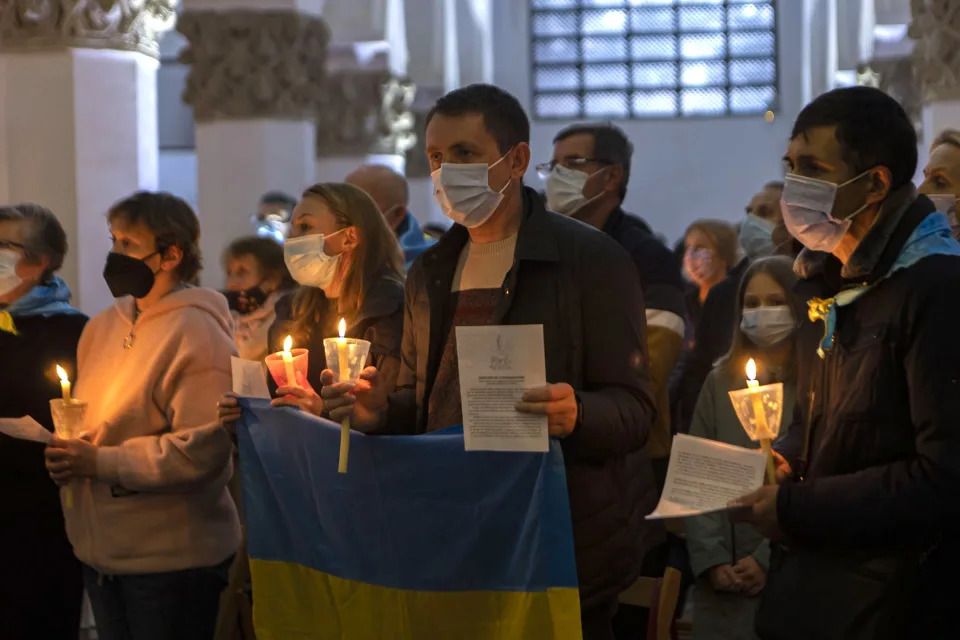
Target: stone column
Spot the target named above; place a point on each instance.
(78, 117)
(365, 115)
(256, 82)
(936, 59)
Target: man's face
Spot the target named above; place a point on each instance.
(578, 152)
(464, 139)
(766, 205)
(816, 153)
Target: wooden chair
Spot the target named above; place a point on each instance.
(660, 596)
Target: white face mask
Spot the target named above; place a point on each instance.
(9, 280)
(946, 203)
(767, 326)
(464, 194)
(807, 206)
(308, 263)
(756, 237)
(565, 190)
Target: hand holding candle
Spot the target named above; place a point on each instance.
(759, 410)
(67, 415)
(346, 358)
(285, 365)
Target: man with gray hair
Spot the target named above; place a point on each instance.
(40, 579)
(390, 191)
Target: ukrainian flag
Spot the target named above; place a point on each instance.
(421, 540)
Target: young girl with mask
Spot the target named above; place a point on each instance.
(349, 265)
(730, 560)
(145, 501)
(257, 278)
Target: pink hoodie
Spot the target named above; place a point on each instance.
(160, 500)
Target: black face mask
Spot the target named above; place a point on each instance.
(246, 301)
(128, 276)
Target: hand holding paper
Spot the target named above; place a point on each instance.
(705, 475)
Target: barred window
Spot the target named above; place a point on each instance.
(653, 58)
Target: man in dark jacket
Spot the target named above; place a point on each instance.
(41, 586)
(869, 524)
(587, 179)
(511, 262)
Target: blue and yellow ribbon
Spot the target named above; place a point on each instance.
(6, 323)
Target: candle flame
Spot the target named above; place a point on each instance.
(63, 374)
(343, 327)
(751, 369)
(288, 344)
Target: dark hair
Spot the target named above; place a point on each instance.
(610, 146)
(503, 116)
(377, 253)
(172, 222)
(279, 197)
(780, 268)
(872, 129)
(774, 184)
(43, 234)
(268, 254)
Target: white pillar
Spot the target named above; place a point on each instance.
(255, 126)
(78, 124)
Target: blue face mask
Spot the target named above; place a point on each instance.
(807, 206)
(756, 237)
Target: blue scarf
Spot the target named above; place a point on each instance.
(932, 237)
(48, 299)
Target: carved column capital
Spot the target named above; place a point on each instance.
(125, 25)
(254, 64)
(365, 112)
(936, 54)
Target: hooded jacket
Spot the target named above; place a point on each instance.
(159, 501)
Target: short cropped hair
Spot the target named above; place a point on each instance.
(172, 222)
(872, 129)
(266, 251)
(503, 116)
(43, 235)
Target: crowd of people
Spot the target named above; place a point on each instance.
(838, 281)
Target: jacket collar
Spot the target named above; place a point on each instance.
(900, 213)
(535, 239)
(613, 221)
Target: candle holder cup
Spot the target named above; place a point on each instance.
(278, 370)
(67, 417)
(771, 401)
(354, 352)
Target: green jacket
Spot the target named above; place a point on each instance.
(711, 538)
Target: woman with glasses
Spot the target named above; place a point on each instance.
(40, 579)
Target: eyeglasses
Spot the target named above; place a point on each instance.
(545, 168)
(10, 244)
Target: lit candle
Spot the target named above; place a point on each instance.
(288, 362)
(344, 362)
(760, 417)
(64, 384)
